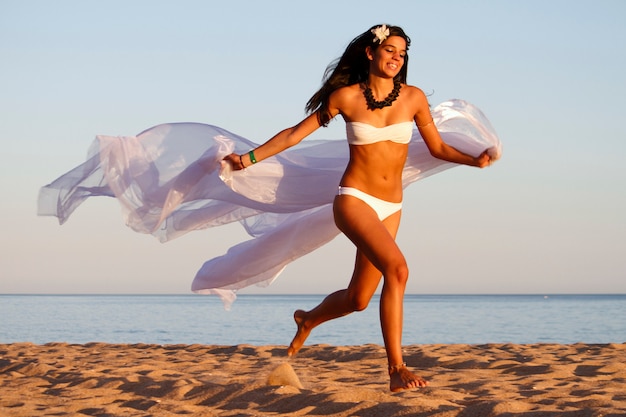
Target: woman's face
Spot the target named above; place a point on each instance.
(388, 58)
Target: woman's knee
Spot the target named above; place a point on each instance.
(397, 274)
(358, 301)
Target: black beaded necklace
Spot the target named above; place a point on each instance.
(373, 104)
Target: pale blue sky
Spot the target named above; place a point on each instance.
(550, 217)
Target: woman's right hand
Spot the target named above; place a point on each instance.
(235, 161)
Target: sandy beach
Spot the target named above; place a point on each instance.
(100, 379)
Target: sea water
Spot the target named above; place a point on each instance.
(268, 319)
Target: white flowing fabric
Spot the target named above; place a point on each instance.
(170, 179)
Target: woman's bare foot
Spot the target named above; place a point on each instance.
(400, 378)
(301, 334)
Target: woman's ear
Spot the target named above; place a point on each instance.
(369, 53)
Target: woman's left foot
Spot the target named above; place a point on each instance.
(400, 378)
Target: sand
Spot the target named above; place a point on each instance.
(99, 379)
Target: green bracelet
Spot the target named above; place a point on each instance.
(252, 158)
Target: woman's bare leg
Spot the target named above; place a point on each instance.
(376, 252)
(356, 297)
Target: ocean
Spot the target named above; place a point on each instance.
(267, 319)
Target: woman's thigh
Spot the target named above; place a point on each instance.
(375, 241)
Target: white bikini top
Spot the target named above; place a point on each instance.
(360, 133)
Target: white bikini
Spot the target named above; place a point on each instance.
(360, 133)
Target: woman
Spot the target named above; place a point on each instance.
(367, 87)
(174, 178)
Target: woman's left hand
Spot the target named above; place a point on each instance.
(484, 159)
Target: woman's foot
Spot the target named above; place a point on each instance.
(400, 378)
(301, 334)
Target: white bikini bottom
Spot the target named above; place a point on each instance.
(382, 208)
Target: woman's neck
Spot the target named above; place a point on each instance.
(380, 87)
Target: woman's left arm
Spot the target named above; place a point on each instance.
(437, 147)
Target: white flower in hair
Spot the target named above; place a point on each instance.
(381, 33)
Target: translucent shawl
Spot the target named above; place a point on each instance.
(170, 180)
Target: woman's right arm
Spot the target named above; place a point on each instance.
(279, 142)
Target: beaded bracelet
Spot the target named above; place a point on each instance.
(396, 368)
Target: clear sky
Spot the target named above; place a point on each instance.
(550, 217)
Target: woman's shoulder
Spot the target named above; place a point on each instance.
(413, 90)
(346, 95)
(348, 90)
(414, 95)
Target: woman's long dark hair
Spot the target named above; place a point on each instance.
(351, 68)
